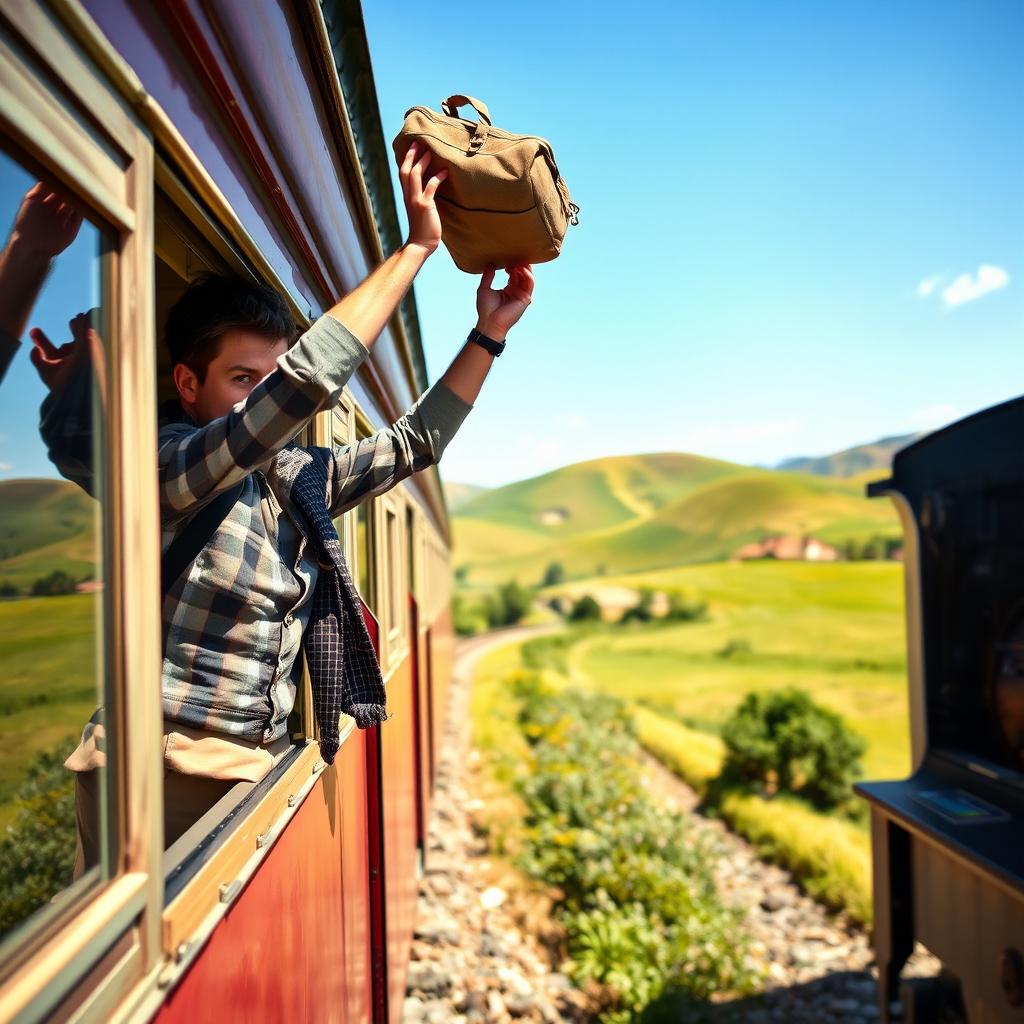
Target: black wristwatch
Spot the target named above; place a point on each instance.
(492, 346)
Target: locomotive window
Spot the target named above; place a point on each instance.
(55, 765)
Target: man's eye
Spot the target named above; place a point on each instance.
(242, 378)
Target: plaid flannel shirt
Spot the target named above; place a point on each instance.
(234, 621)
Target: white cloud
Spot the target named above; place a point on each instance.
(928, 285)
(967, 288)
(5, 467)
(934, 416)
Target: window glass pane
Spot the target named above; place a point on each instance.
(52, 398)
(391, 528)
(363, 552)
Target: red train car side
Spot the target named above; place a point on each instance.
(240, 137)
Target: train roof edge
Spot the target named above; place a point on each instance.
(346, 31)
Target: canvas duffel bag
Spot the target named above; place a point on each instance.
(503, 201)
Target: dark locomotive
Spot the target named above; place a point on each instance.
(948, 843)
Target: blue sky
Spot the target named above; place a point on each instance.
(767, 190)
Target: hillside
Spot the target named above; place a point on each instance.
(642, 512)
(852, 461)
(45, 525)
(456, 494)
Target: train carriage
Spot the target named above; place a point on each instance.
(239, 137)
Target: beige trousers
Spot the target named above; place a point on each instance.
(186, 799)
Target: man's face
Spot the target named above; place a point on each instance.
(243, 361)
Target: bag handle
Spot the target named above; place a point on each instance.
(451, 106)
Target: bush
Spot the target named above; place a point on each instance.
(468, 618)
(8, 589)
(553, 574)
(682, 608)
(586, 609)
(637, 892)
(58, 582)
(733, 646)
(641, 611)
(37, 853)
(784, 740)
(511, 604)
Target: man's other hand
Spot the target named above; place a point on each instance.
(424, 220)
(56, 366)
(497, 310)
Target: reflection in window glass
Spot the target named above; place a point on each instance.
(394, 569)
(51, 565)
(363, 552)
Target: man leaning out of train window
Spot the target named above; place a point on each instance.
(271, 579)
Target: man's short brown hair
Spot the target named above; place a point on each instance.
(215, 304)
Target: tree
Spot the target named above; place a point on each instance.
(785, 738)
(514, 602)
(641, 611)
(586, 609)
(553, 574)
(58, 582)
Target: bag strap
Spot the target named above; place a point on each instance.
(186, 546)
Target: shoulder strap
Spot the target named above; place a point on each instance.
(186, 546)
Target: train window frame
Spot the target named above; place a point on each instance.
(222, 844)
(64, 115)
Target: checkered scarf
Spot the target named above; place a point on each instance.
(342, 663)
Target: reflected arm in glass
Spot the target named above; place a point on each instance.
(45, 225)
(65, 416)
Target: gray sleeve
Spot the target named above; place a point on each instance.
(377, 463)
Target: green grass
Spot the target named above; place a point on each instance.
(833, 629)
(48, 686)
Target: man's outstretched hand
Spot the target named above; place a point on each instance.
(498, 309)
(424, 220)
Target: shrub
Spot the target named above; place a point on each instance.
(586, 609)
(58, 582)
(734, 646)
(513, 602)
(468, 618)
(682, 608)
(553, 574)
(638, 897)
(37, 853)
(784, 739)
(641, 611)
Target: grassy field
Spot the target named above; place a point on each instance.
(48, 686)
(833, 629)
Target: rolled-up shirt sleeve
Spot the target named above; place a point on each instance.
(199, 462)
(418, 439)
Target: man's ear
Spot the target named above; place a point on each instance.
(186, 382)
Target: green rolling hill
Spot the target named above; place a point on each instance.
(45, 525)
(639, 512)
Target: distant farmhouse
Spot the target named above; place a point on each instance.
(788, 549)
